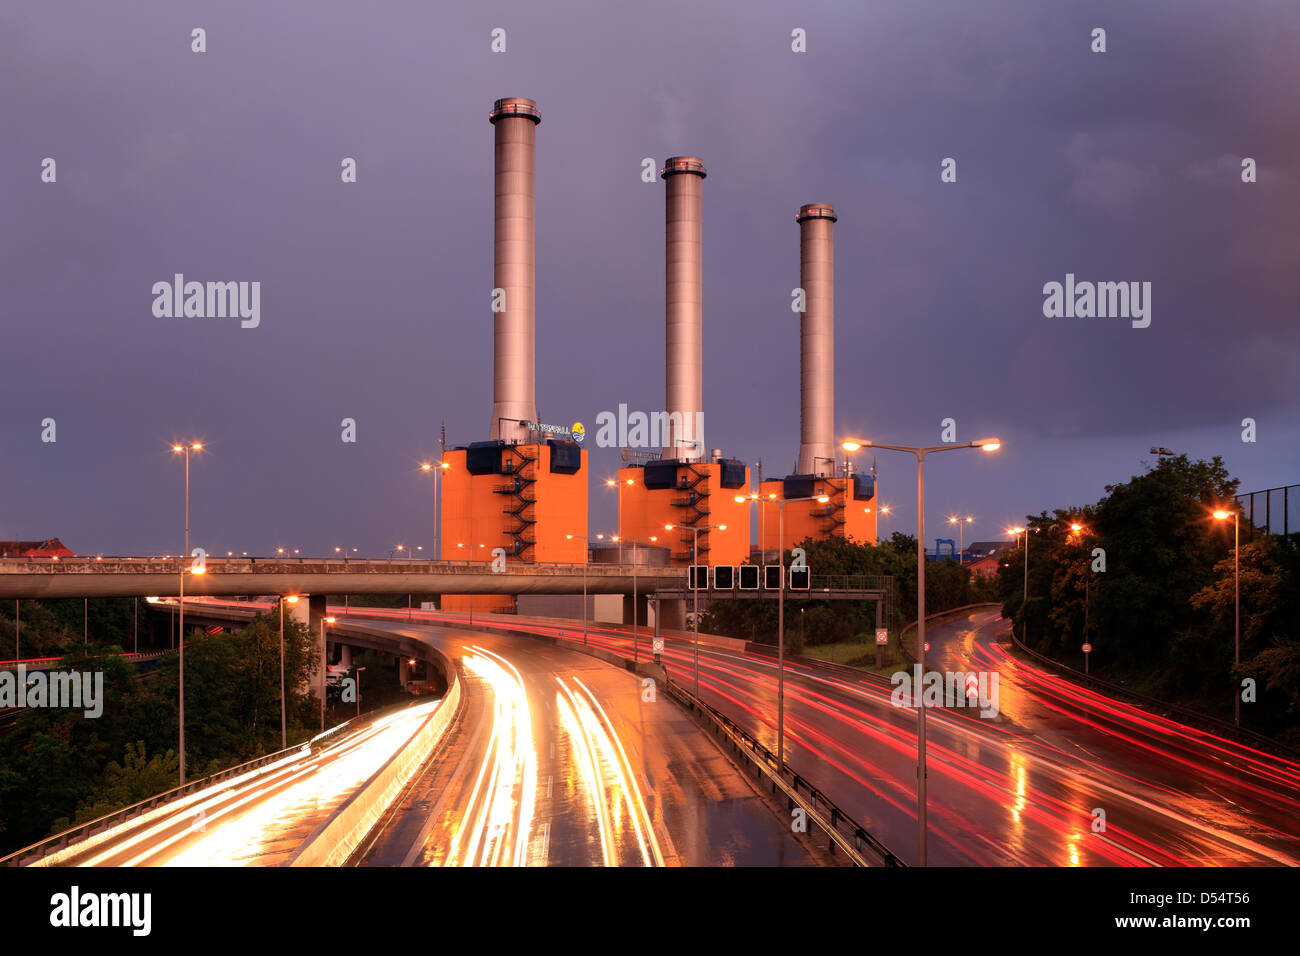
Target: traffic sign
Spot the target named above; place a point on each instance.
(882, 637)
(1087, 648)
(658, 645)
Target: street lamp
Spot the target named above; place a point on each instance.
(695, 550)
(323, 669)
(1222, 515)
(284, 737)
(635, 645)
(586, 558)
(437, 467)
(961, 534)
(610, 483)
(184, 449)
(780, 617)
(357, 671)
(852, 445)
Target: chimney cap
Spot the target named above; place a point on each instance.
(683, 164)
(515, 106)
(816, 210)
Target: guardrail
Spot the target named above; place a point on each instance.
(902, 644)
(173, 565)
(841, 830)
(1190, 716)
(335, 839)
(79, 834)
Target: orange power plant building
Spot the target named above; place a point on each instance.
(685, 488)
(850, 511)
(524, 490)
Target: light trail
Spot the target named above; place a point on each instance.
(498, 820)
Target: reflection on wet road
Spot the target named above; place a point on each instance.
(560, 759)
(1023, 788)
(260, 818)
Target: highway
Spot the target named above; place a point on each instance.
(1018, 789)
(259, 818)
(560, 759)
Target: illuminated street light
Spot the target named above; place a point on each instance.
(695, 550)
(1223, 515)
(961, 536)
(284, 737)
(855, 444)
(182, 449)
(437, 471)
(324, 669)
(780, 619)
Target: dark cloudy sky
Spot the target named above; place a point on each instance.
(225, 166)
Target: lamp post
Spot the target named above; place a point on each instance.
(780, 617)
(323, 669)
(852, 445)
(1024, 601)
(1236, 600)
(635, 644)
(586, 558)
(180, 637)
(610, 483)
(437, 467)
(695, 550)
(961, 535)
(357, 671)
(284, 737)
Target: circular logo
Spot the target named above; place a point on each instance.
(579, 432)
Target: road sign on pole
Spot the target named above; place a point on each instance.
(1087, 648)
(882, 636)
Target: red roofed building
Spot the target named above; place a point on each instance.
(984, 567)
(51, 548)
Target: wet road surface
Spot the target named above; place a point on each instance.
(559, 759)
(1019, 788)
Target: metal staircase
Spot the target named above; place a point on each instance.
(520, 469)
(693, 482)
(833, 512)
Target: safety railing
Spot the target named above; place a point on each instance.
(842, 832)
(37, 851)
(1189, 716)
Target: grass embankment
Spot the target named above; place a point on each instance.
(862, 653)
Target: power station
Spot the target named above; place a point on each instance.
(850, 511)
(523, 493)
(685, 488)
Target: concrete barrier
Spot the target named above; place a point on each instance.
(331, 843)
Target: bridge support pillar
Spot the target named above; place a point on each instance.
(642, 609)
(671, 614)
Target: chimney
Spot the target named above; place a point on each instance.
(514, 268)
(817, 340)
(684, 307)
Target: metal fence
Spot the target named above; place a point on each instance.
(1270, 511)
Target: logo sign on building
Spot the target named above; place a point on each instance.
(560, 430)
(578, 431)
(882, 637)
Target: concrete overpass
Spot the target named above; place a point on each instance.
(35, 578)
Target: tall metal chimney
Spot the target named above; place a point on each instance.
(684, 299)
(514, 268)
(817, 340)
